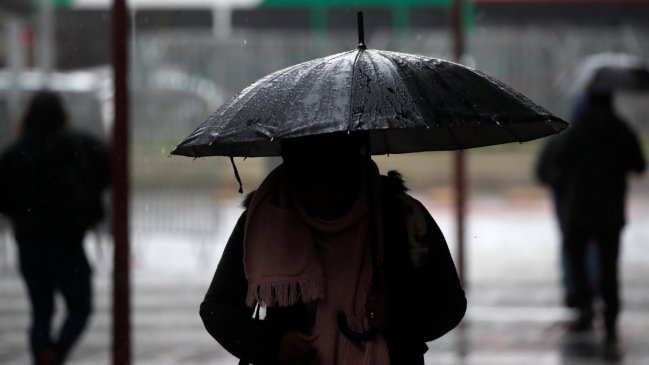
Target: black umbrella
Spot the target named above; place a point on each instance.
(404, 102)
(408, 103)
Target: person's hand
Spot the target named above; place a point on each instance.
(376, 309)
(296, 348)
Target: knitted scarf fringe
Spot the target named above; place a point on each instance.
(285, 293)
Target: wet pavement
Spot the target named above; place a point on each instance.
(514, 316)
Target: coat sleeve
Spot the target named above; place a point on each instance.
(444, 303)
(428, 300)
(225, 314)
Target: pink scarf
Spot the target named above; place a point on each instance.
(292, 257)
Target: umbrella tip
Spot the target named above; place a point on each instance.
(361, 31)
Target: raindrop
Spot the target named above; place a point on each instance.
(164, 150)
(245, 41)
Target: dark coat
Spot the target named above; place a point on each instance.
(51, 186)
(426, 301)
(587, 167)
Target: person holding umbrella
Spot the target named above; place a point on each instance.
(331, 262)
(300, 254)
(547, 174)
(587, 168)
(591, 163)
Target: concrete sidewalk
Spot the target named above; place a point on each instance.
(514, 316)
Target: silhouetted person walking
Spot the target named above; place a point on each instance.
(548, 174)
(588, 167)
(300, 256)
(51, 181)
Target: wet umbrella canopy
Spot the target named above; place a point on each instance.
(407, 102)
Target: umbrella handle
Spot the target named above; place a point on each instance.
(350, 333)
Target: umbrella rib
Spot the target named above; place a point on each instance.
(385, 135)
(459, 89)
(316, 66)
(351, 92)
(278, 74)
(467, 98)
(406, 89)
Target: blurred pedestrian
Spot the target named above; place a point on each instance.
(547, 174)
(588, 167)
(51, 184)
(301, 254)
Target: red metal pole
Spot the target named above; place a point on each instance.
(459, 176)
(121, 353)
